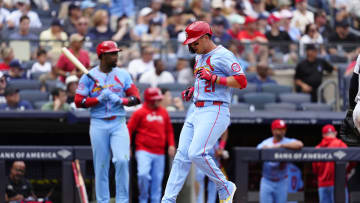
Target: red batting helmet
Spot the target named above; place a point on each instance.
(196, 30)
(278, 124)
(107, 47)
(152, 94)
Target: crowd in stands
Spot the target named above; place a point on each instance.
(261, 33)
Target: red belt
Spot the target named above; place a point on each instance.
(202, 103)
(110, 118)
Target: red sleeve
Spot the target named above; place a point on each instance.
(134, 122)
(314, 168)
(169, 129)
(241, 79)
(133, 91)
(87, 62)
(89, 102)
(61, 62)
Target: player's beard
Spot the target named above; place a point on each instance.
(191, 50)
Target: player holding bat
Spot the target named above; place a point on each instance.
(106, 92)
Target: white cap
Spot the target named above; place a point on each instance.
(71, 78)
(23, 1)
(145, 11)
(1, 74)
(236, 18)
(286, 14)
(217, 4)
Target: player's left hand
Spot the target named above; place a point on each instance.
(171, 151)
(115, 98)
(207, 75)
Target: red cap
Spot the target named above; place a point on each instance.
(249, 19)
(278, 124)
(273, 19)
(196, 30)
(328, 129)
(152, 94)
(298, 1)
(107, 47)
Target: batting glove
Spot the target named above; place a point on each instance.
(105, 93)
(187, 94)
(115, 99)
(207, 75)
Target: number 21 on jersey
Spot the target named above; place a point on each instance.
(210, 87)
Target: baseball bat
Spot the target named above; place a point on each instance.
(78, 64)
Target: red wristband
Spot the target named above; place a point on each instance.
(125, 101)
(222, 81)
(222, 144)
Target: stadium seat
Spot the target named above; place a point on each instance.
(173, 86)
(239, 107)
(280, 107)
(295, 98)
(239, 93)
(39, 104)
(142, 86)
(25, 84)
(276, 89)
(250, 75)
(315, 107)
(52, 84)
(259, 99)
(34, 96)
(36, 75)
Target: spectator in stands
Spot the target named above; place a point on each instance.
(23, 8)
(156, 34)
(322, 25)
(309, 72)
(168, 8)
(159, 17)
(120, 8)
(220, 36)
(50, 76)
(251, 36)
(236, 23)
(74, 13)
(7, 55)
(145, 16)
(293, 31)
(342, 35)
(18, 188)
(59, 101)
(234, 47)
(157, 76)
(122, 33)
(153, 131)
(176, 24)
(13, 101)
(82, 26)
(141, 65)
(311, 36)
(171, 103)
(3, 84)
(41, 65)
(184, 73)
(88, 10)
(216, 11)
(24, 31)
(4, 13)
(274, 181)
(262, 76)
(279, 39)
(64, 67)
(325, 171)
(53, 38)
(16, 71)
(101, 29)
(301, 16)
(71, 86)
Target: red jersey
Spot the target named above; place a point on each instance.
(66, 65)
(244, 34)
(152, 129)
(325, 171)
(4, 67)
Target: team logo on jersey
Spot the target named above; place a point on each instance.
(96, 89)
(154, 117)
(236, 67)
(209, 64)
(118, 81)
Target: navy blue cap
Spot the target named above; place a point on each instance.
(16, 64)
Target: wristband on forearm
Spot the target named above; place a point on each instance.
(221, 80)
(222, 144)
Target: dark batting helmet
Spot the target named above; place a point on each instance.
(152, 94)
(107, 47)
(196, 30)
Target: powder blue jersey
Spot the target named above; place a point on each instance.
(221, 62)
(274, 170)
(118, 81)
(295, 179)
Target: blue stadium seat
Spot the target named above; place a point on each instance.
(25, 84)
(52, 84)
(36, 75)
(142, 86)
(240, 92)
(173, 86)
(39, 104)
(280, 107)
(239, 107)
(315, 107)
(295, 98)
(250, 75)
(259, 99)
(34, 96)
(276, 89)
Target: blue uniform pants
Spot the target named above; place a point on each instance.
(211, 188)
(110, 137)
(200, 132)
(273, 191)
(326, 195)
(150, 171)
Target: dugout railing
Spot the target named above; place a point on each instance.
(244, 155)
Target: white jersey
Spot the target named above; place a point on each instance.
(356, 70)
